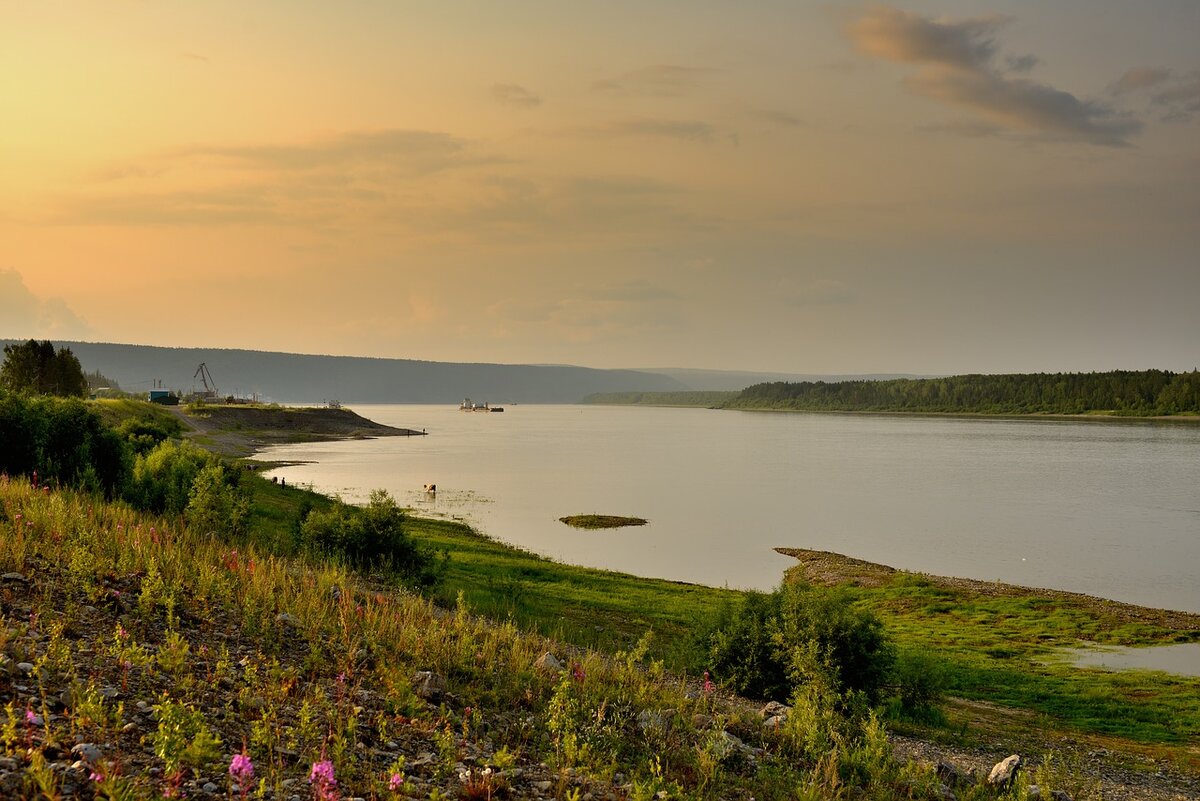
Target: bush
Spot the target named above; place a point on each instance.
(162, 479)
(64, 441)
(799, 635)
(920, 684)
(214, 504)
(373, 538)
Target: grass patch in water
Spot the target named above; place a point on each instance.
(601, 521)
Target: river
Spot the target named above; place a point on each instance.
(1109, 509)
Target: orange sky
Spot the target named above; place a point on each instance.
(938, 187)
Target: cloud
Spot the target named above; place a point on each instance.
(686, 130)
(659, 80)
(510, 94)
(1182, 101)
(780, 118)
(24, 315)
(1139, 78)
(637, 291)
(822, 292)
(957, 66)
(411, 150)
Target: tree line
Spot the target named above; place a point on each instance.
(1119, 392)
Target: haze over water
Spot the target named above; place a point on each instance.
(1109, 509)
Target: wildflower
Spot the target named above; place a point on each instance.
(341, 678)
(242, 770)
(31, 717)
(322, 780)
(708, 685)
(96, 776)
(577, 672)
(396, 782)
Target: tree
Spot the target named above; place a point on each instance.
(36, 368)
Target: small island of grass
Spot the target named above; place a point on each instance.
(602, 521)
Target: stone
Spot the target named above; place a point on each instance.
(951, 775)
(548, 664)
(88, 752)
(946, 794)
(428, 685)
(25, 668)
(18, 577)
(210, 788)
(774, 709)
(287, 619)
(1005, 771)
(655, 721)
(542, 786)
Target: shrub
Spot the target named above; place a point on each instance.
(162, 479)
(64, 441)
(797, 635)
(372, 537)
(214, 504)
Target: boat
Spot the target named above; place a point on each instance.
(470, 406)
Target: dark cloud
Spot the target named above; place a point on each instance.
(510, 94)
(1181, 101)
(1022, 63)
(957, 66)
(1139, 78)
(662, 80)
(24, 315)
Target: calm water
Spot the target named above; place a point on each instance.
(1107, 509)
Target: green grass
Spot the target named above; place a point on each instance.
(601, 521)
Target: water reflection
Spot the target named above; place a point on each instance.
(1182, 659)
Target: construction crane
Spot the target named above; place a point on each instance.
(210, 386)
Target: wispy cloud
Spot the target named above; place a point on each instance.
(821, 292)
(686, 130)
(957, 65)
(511, 94)
(1139, 78)
(412, 150)
(661, 80)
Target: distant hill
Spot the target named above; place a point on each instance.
(737, 380)
(300, 378)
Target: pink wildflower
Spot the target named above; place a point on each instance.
(577, 672)
(322, 780)
(708, 685)
(242, 770)
(396, 782)
(31, 717)
(96, 776)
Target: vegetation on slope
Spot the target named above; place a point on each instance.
(707, 400)
(1121, 392)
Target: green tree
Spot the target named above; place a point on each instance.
(36, 368)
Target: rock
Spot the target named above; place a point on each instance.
(774, 709)
(287, 619)
(726, 745)
(952, 776)
(88, 752)
(7, 763)
(109, 693)
(542, 786)
(946, 794)
(18, 577)
(548, 664)
(25, 668)
(428, 685)
(775, 722)
(1004, 772)
(701, 721)
(210, 788)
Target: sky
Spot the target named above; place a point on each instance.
(933, 187)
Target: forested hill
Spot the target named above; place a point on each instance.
(300, 378)
(1121, 392)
